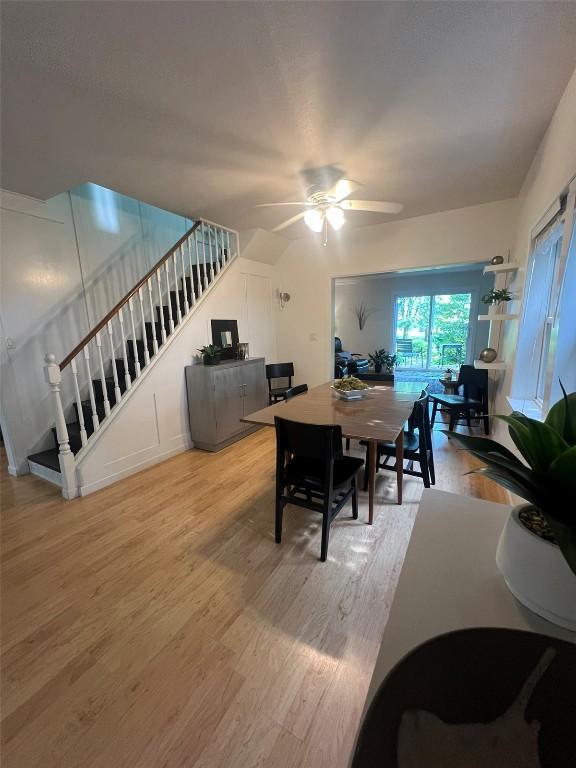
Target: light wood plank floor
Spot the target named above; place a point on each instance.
(156, 623)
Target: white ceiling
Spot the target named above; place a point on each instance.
(207, 108)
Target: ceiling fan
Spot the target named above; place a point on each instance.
(327, 206)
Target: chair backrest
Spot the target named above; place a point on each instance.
(279, 371)
(404, 345)
(420, 420)
(309, 441)
(474, 382)
(337, 344)
(299, 389)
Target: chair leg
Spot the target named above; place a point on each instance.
(347, 443)
(279, 514)
(486, 424)
(325, 531)
(468, 420)
(355, 498)
(431, 468)
(434, 409)
(453, 420)
(423, 461)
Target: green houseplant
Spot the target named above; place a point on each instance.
(497, 296)
(545, 476)
(382, 359)
(210, 354)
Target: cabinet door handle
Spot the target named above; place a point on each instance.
(245, 390)
(241, 388)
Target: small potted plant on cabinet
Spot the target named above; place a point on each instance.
(377, 359)
(381, 359)
(448, 374)
(537, 549)
(210, 354)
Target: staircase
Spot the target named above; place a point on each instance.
(103, 368)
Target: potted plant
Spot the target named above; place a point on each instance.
(448, 373)
(498, 296)
(210, 354)
(537, 549)
(389, 363)
(378, 359)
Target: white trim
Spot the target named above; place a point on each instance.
(45, 473)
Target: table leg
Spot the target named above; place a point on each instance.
(371, 479)
(399, 463)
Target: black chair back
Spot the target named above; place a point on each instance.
(420, 420)
(309, 441)
(474, 382)
(279, 371)
(299, 389)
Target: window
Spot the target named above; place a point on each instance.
(546, 350)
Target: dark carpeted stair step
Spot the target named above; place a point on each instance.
(87, 412)
(110, 388)
(138, 351)
(121, 368)
(47, 459)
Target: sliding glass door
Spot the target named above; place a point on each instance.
(432, 331)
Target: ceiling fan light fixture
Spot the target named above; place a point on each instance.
(335, 216)
(314, 219)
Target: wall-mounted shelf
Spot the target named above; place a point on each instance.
(497, 317)
(497, 365)
(511, 266)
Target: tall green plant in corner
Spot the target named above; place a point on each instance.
(547, 476)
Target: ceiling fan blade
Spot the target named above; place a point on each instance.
(274, 205)
(288, 222)
(343, 188)
(374, 206)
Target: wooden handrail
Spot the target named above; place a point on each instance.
(79, 347)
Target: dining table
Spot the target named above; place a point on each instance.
(377, 417)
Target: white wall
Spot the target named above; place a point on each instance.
(552, 168)
(306, 270)
(65, 263)
(152, 423)
(378, 293)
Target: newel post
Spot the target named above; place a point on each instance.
(53, 377)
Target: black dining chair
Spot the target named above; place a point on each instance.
(278, 371)
(417, 446)
(299, 389)
(312, 472)
(470, 402)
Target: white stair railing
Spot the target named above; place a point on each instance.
(131, 335)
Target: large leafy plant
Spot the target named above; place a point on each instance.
(547, 476)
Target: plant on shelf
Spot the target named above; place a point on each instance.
(448, 373)
(498, 296)
(382, 359)
(546, 478)
(210, 354)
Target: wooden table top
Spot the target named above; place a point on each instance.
(380, 415)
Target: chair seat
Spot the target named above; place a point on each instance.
(309, 472)
(279, 390)
(410, 445)
(456, 401)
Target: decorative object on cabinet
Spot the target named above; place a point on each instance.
(220, 396)
(225, 335)
(495, 260)
(362, 314)
(210, 354)
(488, 355)
(498, 296)
(448, 373)
(539, 572)
(243, 351)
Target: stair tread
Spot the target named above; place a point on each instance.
(47, 459)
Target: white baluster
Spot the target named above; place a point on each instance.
(219, 249)
(192, 289)
(95, 419)
(206, 267)
(161, 310)
(53, 378)
(184, 284)
(117, 393)
(170, 308)
(102, 375)
(212, 248)
(83, 434)
(135, 343)
(200, 279)
(229, 252)
(127, 377)
(146, 352)
(178, 310)
(153, 316)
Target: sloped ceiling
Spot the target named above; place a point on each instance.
(208, 108)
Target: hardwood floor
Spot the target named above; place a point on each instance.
(156, 623)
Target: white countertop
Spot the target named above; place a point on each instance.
(450, 581)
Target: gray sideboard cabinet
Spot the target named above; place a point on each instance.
(219, 396)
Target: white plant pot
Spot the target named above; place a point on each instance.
(536, 573)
